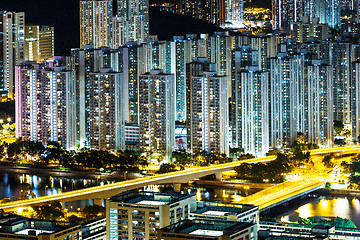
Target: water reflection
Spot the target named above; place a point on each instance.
(10, 186)
(330, 206)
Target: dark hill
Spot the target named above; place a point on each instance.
(166, 25)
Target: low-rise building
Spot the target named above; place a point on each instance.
(226, 212)
(137, 215)
(94, 229)
(17, 227)
(209, 230)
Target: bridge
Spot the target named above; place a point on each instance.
(282, 193)
(103, 192)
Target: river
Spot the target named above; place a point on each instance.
(329, 206)
(43, 184)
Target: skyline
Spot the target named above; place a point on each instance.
(233, 97)
(63, 14)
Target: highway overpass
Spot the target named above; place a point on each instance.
(282, 193)
(106, 191)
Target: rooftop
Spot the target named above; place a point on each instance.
(11, 223)
(223, 209)
(207, 227)
(149, 198)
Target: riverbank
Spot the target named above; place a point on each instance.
(116, 176)
(344, 192)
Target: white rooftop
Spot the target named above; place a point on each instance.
(207, 233)
(217, 213)
(37, 232)
(156, 203)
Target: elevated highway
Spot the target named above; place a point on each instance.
(282, 193)
(103, 192)
(106, 191)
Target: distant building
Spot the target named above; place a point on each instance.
(96, 23)
(320, 109)
(309, 30)
(135, 17)
(132, 132)
(208, 229)
(180, 136)
(18, 227)
(254, 111)
(285, 12)
(45, 104)
(140, 214)
(340, 55)
(157, 112)
(209, 11)
(39, 43)
(12, 47)
(234, 13)
(328, 11)
(207, 109)
(106, 110)
(241, 57)
(355, 101)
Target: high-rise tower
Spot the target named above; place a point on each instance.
(286, 11)
(12, 39)
(96, 18)
(135, 15)
(234, 13)
(39, 43)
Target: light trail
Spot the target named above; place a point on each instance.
(173, 177)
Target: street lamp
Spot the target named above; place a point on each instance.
(8, 120)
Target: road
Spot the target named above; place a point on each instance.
(280, 192)
(103, 192)
(106, 191)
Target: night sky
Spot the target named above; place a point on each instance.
(61, 14)
(64, 16)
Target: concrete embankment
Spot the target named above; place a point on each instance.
(345, 192)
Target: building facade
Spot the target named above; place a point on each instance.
(39, 43)
(106, 109)
(12, 47)
(45, 104)
(96, 23)
(135, 17)
(157, 112)
(140, 214)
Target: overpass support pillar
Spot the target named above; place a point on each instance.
(98, 201)
(218, 176)
(177, 187)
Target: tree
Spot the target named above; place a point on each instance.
(328, 161)
(182, 158)
(273, 152)
(167, 167)
(353, 169)
(75, 219)
(93, 210)
(338, 127)
(272, 171)
(25, 192)
(344, 222)
(52, 211)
